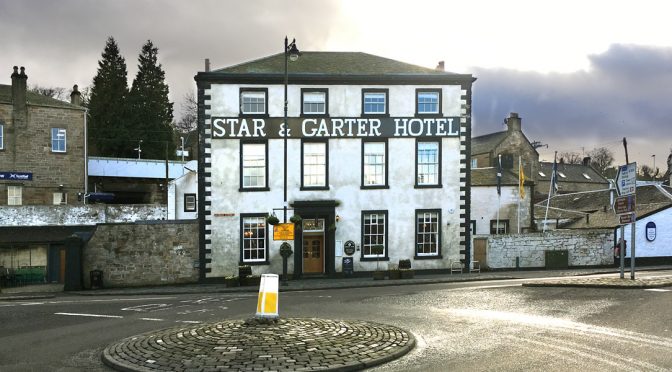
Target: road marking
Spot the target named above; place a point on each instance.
(658, 290)
(91, 315)
(188, 321)
(153, 319)
(32, 303)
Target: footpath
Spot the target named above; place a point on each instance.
(297, 344)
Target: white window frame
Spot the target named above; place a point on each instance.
(424, 101)
(424, 165)
(427, 225)
(314, 164)
(373, 96)
(254, 165)
(14, 195)
(60, 198)
(56, 141)
(374, 164)
(374, 221)
(254, 238)
(255, 99)
(314, 103)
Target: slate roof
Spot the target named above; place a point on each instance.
(575, 173)
(488, 177)
(34, 99)
(596, 205)
(485, 143)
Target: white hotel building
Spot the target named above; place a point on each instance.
(377, 153)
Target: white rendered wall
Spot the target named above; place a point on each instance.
(485, 202)
(661, 246)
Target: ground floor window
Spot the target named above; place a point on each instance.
(254, 238)
(499, 227)
(14, 194)
(374, 232)
(60, 198)
(427, 233)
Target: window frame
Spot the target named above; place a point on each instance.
(64, 198)
(243, 188)
(305, 141)
(242, 91)
(325, 91)
(493, 224)
(15, 197)
(187, 196)
(242, 238)
(55, 140)
(370, 257)
(439, 103)
(385, 184)
(386, 92)
(439, 164)
(425, 256)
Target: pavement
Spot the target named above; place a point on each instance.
(297, 344)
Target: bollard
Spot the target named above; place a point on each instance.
(267, 304)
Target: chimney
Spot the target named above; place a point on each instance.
(441, 66)
(586, 161)
(75, 96)
(513, 122)
(207, 65)
(19, 89)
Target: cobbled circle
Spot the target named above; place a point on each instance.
(283, 345)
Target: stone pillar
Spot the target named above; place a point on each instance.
(73, 263)
(75, 96)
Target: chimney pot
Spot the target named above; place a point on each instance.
(513, 122)
(586, 161)
(441, 66)
(207, 65)
(76, 96)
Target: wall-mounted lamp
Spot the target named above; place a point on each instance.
(338, 218)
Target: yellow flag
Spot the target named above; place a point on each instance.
(521, 179)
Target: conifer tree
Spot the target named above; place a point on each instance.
(150, 112)
(107, 127)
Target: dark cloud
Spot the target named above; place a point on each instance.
(624, 93)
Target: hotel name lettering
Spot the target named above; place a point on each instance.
(335, 127)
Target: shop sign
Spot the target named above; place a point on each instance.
(283, 231)
(16, 176)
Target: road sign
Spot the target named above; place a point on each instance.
(624, 204)
(626, 179)
(283, 231)
(627, 218)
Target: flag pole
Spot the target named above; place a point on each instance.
(550, 188)
(499, 191)
(520, 165)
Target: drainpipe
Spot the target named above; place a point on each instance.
(86, 156)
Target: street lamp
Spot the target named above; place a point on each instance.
(653, 172)
(291, 53)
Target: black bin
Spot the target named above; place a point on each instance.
(96, 279)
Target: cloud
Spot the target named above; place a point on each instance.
(624, 93)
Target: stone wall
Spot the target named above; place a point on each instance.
(90, 214)
(585, 248)
(143, 253)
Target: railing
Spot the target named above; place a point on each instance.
(11, 277)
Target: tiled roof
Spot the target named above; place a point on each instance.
(485, 143)
(333, 63)
(577, 173)
(596, 205)
(488, 177)
(34, 99)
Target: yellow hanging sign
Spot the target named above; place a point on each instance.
(283, 231)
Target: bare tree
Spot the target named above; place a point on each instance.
(570, 157)
(601, 159)
(58, 93)
(646, 172)
(187, 121)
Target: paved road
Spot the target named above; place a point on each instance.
(489, 325)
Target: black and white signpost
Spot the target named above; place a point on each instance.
(624, 206)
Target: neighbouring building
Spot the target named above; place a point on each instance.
(571, 178)
(183, 194)
(377, 153)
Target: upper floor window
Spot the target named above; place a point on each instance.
(374, 164)
(2, 136)
(314, 102)
(14, 194)
(58, 139)
(374, 102)
(253, 102)
(428, 101)
(314, 165)
(428, 163)
(190, 202)
(253, 166)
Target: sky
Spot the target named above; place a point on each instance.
(581, 74)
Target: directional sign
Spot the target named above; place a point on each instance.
(626, 218)
(624, 204)
(626, 179)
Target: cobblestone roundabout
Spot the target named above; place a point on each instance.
(252, 345)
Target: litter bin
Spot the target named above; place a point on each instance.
(96, 279)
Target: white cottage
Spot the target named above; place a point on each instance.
(374, 152)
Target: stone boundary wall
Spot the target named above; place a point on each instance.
(585, 248)
(90, 214)
(143, 253)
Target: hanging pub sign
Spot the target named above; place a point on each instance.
(283, 231)
(335, 127)
(651, 231)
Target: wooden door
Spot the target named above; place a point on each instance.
(313, 254)
(480, 251)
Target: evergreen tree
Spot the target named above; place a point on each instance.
(150, 112)
(107, 132)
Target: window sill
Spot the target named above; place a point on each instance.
(253, 263)
(309, 115)
(375, 115)
(428, 186)
(320, 188)
(247, 116)
(373, 259)
(254, 189)
(377, 187)
(437, 257)
(429, 115)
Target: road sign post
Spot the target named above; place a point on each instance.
(624, 206)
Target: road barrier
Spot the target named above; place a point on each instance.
(267, 304)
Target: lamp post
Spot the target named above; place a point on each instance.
(291, 53)
(653, 172)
